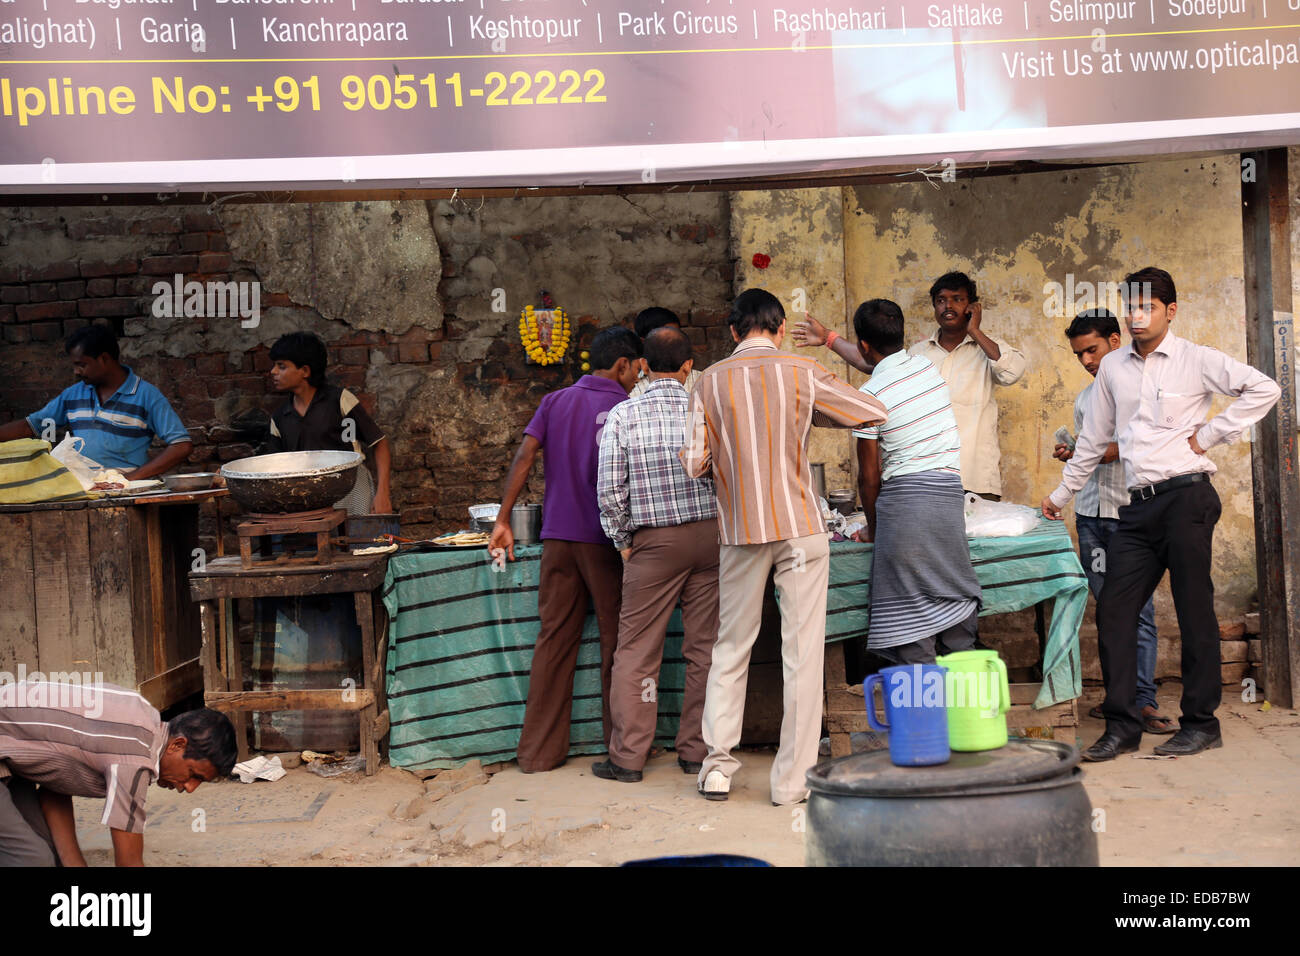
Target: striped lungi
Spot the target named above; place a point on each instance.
(921, 576)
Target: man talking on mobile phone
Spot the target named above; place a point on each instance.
(970, 361)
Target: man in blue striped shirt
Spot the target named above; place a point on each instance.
(114, 410)
(925, 599)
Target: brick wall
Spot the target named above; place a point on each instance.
(452, 391)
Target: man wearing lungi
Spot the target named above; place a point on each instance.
(925, 599)
(665, 524)
(750, 418)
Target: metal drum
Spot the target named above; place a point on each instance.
(304, 643)
(1020, 805)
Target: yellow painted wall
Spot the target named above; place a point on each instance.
(1014, 234)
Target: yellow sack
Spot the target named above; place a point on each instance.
(29, 473)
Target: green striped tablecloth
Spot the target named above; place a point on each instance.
(461, 639)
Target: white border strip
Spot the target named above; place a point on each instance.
(609, 165)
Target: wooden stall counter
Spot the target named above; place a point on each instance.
(101, 587)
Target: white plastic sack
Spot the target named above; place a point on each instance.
(68, 452)
(997, 519)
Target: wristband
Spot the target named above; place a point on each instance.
(831, 336)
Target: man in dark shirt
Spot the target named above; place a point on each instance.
(324, 417)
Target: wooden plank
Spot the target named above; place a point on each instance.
(157, 599)
(141, 633)
(110, 594)
(173, 685)
(180, 497)
(221, 580)
(81, 613)
(1275, 471)
(320, 699)
(18, 642)
(213, 678)
(53, 599)
(380, 725)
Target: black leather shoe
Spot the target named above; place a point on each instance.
(1109, 746)
(1187, 742)
(690, 766)
(608, 770)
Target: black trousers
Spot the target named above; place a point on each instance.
(1173, 531)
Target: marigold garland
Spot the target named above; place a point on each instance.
(529, 335)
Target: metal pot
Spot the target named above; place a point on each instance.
(198, 481)
(842, 500)
(526, 523)
(819, 478)
(292, 480)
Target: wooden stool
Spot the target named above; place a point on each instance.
(361, 575)
(322, 523)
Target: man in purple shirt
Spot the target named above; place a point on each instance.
(579, 563)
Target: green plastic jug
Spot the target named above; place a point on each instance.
(977, 697)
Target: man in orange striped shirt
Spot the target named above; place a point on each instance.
(750, 418)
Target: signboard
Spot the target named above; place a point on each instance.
(129, 94)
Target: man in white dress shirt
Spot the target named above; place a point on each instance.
(1153, 396)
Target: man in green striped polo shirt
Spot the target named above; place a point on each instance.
(925, 599)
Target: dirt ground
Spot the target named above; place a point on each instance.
(1231, 807)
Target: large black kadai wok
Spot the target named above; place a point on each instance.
(291, 481)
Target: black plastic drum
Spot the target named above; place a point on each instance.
(1020, 805)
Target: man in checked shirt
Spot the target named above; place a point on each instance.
(750, 418)
(665, 525)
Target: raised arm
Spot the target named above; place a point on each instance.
(810, 332)
(502, 536)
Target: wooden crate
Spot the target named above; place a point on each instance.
(102, 588)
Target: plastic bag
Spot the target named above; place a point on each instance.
(998, 519)
(68, 452)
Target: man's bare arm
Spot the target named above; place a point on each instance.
(16, 429)
(168, 458)
(128, 848)
(57, 810)
(502, 536)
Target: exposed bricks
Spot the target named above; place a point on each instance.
(117, 267)
(17, 334)
(200, 221)
(14, 294)
(51, 272)
(194, 242)
(353, 355)
(101, 286)
(45, 331)
(72, 289)
(43, 291)
(131, 285)
(411, 353)
(168, 265)
(46, 310)
(94, 308)
(71, 325)
(158, 226)
(210, 364)
(210, 262)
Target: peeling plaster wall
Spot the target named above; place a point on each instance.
(404, 294)
(1014, 234)
(802, 230)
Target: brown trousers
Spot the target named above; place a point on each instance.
(572, 573)
(665, 564)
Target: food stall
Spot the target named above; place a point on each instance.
(100, 587)
(461, 637)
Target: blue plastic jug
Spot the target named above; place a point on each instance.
(915, 715)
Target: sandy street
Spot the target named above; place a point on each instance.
(1230, 807)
